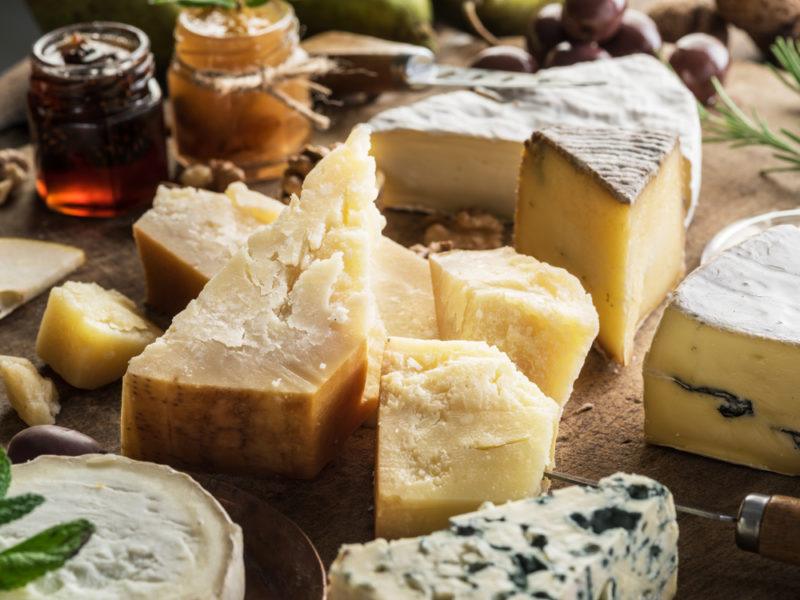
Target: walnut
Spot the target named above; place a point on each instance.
(14, 169)
(300, 165)
(216, 176)
(467, 230)
(677, 18)
(432, 248)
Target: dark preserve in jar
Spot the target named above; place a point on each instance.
(96, 119)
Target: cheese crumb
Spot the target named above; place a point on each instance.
(32, 396)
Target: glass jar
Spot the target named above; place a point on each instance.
(96, 119)
(223, 107)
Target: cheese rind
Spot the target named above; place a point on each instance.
(476, 142)
(33, 397)
(615, 541)
(88, 334)
(537, 314)
(265, 370)
(458, 425)
(158, 534)
(721, 377)
(607, 205)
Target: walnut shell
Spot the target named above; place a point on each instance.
(677, 18)
(760, 16)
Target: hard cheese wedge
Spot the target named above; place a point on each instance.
(462, 149)
(615, 541)
(722, 378)
(29, 267)
(158, 534)
(608, 206)
(537, 314)
(458, 425)
(265, 370)
(33, 397)
(88, 334)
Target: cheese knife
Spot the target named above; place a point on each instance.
(765, 525)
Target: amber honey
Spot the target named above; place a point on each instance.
(96, 119)
(216, 116)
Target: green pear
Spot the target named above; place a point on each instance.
(501, 17)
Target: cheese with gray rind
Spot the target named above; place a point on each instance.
(158, 534)
(617, 541)
(463, 149)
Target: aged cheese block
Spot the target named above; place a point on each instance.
(537, 314)
(29, 267)
(33, 397)
(158, 534)
(615, 541)
(88, 334)
(722, 376)
(462, 149)
(265, 370)
(608, 206)
(458, 425)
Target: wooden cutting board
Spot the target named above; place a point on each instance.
(602, 427)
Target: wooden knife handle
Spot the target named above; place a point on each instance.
(779, 536)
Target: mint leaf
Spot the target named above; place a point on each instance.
(198, 3)
(255, 3)
(44, 552)
(14, 508)
(5, 473)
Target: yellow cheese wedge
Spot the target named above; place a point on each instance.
(29, 267)
(458, 425)
(607, 205)
(88, 334)
(537, 314)
(265, 370)
(33, 397)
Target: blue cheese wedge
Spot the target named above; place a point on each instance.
(158, 534)
(721, 378)
(618, 541)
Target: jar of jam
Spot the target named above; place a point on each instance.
(227, 103)
(96, 119)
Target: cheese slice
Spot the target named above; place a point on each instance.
(29, 267)
(607, 205)
(722, 378)
(618, 540)
(88, 334)
(462, 149)
(537, 314)
(458, 425)
(265, 370)
(158, 534)
(33, 397)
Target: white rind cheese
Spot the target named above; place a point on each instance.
(462, 149)
(617, 541)
(721, 377)
(158, 534)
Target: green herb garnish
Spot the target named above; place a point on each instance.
(236, 4)
(46, 551)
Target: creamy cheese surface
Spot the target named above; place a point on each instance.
(158, 533)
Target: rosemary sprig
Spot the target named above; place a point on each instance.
(787, 53)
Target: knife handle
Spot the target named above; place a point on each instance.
(770, 526)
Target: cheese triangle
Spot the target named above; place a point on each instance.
(264, 371)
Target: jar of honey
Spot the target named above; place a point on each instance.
(96, 119)
(231, 98)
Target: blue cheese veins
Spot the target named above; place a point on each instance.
(617, 541)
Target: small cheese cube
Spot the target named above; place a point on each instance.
(88, 334)
(722, 377)
(608, 205)
(458, 425)
(537, 314)
(32, 396)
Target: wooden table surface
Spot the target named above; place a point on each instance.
(602, 427)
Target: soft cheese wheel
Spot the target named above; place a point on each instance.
(158, 534)
(722, 377)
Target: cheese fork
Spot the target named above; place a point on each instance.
(766, 525)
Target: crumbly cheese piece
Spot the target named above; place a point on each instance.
(537, 314)
(462, 149)
(607, 205)
(265, 370)
(158, 534)
(458, 425)
(615, 541)
(29, 267)
(722, 378)
(33, 397)
(88, 334)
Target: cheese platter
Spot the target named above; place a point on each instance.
(298, 359)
